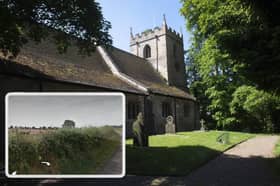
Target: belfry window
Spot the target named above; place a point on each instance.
(147, 51)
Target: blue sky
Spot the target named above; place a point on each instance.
(141, 15)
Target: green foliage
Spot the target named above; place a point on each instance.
(21, 154)
(259, 109)
(226, 54)
(68, 150)
(248, 31)
(68, 124)
(197, 87)
(64, 20)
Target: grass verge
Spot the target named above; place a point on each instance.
(178, 154)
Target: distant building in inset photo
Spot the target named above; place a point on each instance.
(152, 76)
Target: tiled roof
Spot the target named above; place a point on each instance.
(142, 71)
(43, 60)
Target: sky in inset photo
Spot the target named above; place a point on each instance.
(46, 110)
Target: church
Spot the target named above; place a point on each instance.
(152, 76)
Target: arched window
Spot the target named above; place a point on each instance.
(147, 51)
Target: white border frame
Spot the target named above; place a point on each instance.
(68, 175)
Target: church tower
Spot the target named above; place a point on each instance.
(163, 48)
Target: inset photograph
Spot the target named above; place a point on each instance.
(65, 135)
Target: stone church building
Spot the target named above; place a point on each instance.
(152, 77)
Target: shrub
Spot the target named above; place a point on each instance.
(22, 154)
(85, 147)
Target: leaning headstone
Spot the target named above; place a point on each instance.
(223, 138)
(140, 138)
(170, 126)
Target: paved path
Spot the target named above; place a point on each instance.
(246, 164)
(114, 166)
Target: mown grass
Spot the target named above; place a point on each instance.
(276, 161)
(70, 151)
(177, 154)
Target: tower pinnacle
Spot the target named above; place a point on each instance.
(131, 32)
(164, 20)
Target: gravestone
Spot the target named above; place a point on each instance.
(140, 138)
(170, 126)
(223, 138)
(203, 126)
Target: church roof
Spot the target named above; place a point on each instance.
(42, 60)
(142, 71)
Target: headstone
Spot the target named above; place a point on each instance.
(223, 138)
(140, 138)
(170, 126)
(203, 126)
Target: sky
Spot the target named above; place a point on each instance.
(141, 15)
(52, 111)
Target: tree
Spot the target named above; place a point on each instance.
(217, 26)
(248, 30)
(259, 109)
(68, 124)
(67, 21)
(198, 88)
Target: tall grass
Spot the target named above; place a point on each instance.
(70, 151)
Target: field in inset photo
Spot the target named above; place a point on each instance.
(87, 144)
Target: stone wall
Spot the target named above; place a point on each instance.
(159, 120)
(175, 61)
(183, 122)
(151, 105)
(158, 50)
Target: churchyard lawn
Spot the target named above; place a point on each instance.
(177, 154)
(276, 161)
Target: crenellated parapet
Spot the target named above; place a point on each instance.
(174, 32)
(155, 32)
